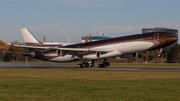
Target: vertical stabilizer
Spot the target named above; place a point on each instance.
(29, 38)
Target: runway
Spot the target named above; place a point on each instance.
(98, 69)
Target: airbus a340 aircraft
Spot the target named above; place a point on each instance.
(124, 47)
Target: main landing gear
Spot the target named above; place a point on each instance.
(91, 64)
(104, 64)
(86, 64)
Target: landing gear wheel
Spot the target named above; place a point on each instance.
(86, 64)
(80, 66)
(92, 64)
(101, 66)
(106, 63)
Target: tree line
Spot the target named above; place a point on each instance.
(170, 54)
(13, 57)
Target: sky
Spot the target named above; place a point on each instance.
(54, 19)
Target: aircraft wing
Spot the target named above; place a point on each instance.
(61, 48)
(26, 46)
(56, 43)
(84, 49)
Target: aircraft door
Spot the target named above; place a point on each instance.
(156, 36)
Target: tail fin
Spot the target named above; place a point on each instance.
(29, 38)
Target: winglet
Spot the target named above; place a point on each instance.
(7, 43)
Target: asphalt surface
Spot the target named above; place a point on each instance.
(96, 69)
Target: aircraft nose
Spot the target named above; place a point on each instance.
(172, 40)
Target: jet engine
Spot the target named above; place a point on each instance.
(34, 54)
(128, 56)
(31, 54)
(92, 55)
(53, 53)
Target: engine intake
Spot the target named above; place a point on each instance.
(59, 52)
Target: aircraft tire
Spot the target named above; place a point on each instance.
(106, 63)
(86, 64)
(92, 64)
(83, 65)
(101, 65)
(80, 66)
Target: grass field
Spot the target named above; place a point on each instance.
(63, 85)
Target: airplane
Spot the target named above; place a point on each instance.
(123, 47)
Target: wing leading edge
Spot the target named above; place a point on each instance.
(63, 49)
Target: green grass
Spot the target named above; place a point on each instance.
(63, 85)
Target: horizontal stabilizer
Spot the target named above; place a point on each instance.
(26, 54)
(6, 43)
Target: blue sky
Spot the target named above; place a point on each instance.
(55, 18)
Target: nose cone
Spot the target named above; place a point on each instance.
(171, 40)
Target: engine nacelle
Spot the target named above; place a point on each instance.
(92, 55)
(30, 54)
(53, 53)
(128, 56)
(35, 54)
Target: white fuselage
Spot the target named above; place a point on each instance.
(119, 49)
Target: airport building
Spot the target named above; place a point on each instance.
(93, 38)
